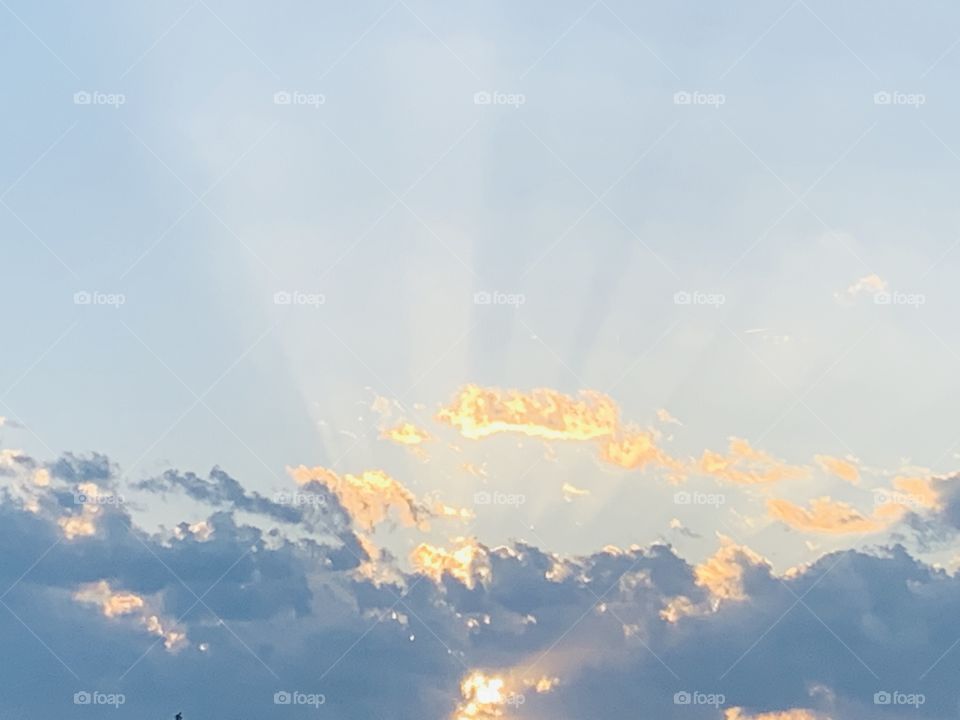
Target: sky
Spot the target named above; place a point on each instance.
(479, 360)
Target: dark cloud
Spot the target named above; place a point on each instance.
(266, 610)
(95, 468)
(220, 489)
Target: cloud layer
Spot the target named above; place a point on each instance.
(218, 617)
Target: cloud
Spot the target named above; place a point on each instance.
(219, 490)
(257, 609)
(664, 417)
(119, 604)
(677, 526)
(867, 285)
(844, 469)
(828, 516)
(723, 573)
(924, 503)
(725, 576)
(373, 497)
(82, 525)
(468, 562)
(570, 492)
(488, 695)
(542, 413)
(478, 412)
(14, 461)
(634, 449)
(794, 714)
(405, 433)
(592, 417)
(745, 465)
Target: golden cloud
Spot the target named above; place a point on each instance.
(634, 449)
(478, 412)
(543, 413)
(468, 562)
(487, 695)
(121, 604)
(736, 713)
(405, 433)
(75, 526)
(843, 469)
(828, 516)
(721, 575)
(919, 491)
(745, 465)
(372, 496)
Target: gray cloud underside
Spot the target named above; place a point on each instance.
(279, 613)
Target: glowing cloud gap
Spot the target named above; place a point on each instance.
(486, 695)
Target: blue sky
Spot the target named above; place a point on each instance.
(251, 238)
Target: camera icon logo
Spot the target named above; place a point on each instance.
(482, 98)
(282, 697)
(82, 97)
(282, 297)
(82, 698)
(682, 98)
(882, 98)
(481, 498)
(82, 298)
(682, 698)
(882, 698)
(282, 97)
